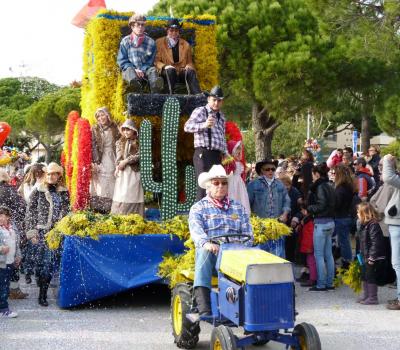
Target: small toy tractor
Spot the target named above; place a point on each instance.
(254, 290)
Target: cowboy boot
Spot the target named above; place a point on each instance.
(17, 293)
(364, 294)
(43, 287)
(372, 295)
(203, 300)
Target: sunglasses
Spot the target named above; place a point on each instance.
(219, 182)
(268, 169)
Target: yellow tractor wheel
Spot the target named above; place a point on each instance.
(186, 333)
(222, 338)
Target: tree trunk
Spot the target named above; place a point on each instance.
(263, 127)
(48, 154)
(365, 133)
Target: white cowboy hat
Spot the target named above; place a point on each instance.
(216, 172)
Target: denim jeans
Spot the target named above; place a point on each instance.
(394, 231)
(342, 229)
(204, 268)
(323, 253)
(5, 274)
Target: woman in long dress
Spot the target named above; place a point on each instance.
(105, 134)
(128, 194)
(237, 187)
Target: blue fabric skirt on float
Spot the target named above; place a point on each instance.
(93, 269)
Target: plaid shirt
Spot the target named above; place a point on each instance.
(141, 57)
(197, 124)
(206, 221)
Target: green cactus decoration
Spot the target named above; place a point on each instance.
(169, 185)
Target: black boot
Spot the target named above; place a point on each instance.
(203, 300)
(43, 287)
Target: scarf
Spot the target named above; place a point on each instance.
(220, 204)
(172, 42)
(137, 40)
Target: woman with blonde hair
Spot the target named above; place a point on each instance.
(344, 191)
(34, 177)
(105, 134)
(48, 203)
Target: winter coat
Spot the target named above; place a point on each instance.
(39, 215)
(10, 198)
(372, 244)
(164, 55)
(392, 211)
(343, 200)
(133, 153)
(380, 200)
(366, 182)
(97, 141)
(321, 199)
(307, 236)
(3, 257)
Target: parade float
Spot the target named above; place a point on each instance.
(104, 254)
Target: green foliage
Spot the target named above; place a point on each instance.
(47, 116)
(289, 140)
(184, 7)
(392, 148)
(249, 146)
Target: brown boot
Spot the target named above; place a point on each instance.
(364, 293)
(372, 295)
(17, 293)
(394, 306)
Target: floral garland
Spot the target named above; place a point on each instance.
(89, 225)
(172, 266)
(84, 165)
(73, 116)
(74, 161)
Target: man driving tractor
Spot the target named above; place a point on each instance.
(212, 216)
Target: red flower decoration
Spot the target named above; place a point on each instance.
(84, 165)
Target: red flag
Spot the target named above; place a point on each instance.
(87, 12)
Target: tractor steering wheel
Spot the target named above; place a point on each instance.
(245, 238)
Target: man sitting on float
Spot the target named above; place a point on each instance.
(212, 216)
(174, 59)
(136, 58)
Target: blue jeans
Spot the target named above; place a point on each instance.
(204, 268)
(323, 253)
(342, 229)
(394, 232)
(5, 275)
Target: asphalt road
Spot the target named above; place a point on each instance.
(141, 320)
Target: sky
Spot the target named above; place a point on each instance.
(38, 39)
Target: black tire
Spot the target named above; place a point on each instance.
(222, 338)
(308, 336)
(260, 342)
(186, 333)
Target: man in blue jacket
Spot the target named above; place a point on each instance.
(269, 198)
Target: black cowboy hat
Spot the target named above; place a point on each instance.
(174, 23)
(261, 163)
(216, 92)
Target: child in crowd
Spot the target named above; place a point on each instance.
(372, 250)
(9, 256)
(236, 171)
(306, 239)
(128, 193)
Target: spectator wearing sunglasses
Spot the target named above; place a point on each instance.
(269, 198)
